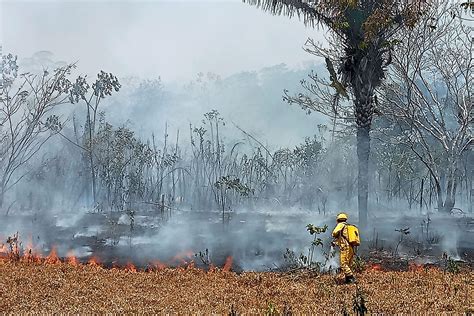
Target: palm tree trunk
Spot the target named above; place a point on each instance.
(364, 108)
(363, 151)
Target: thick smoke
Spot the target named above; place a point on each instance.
(255, 235)
(260, 136)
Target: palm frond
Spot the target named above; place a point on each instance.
(308, 10)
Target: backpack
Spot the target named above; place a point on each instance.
(353, 235)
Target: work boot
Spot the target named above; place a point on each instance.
(350, 279)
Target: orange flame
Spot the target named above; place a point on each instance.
(94, 261)
(31, 254)
(158, 265)
(71, 259)
(3, 251)
(228, 264)
(375, 267)
(29, 243)
(53, 258)
(212, 268)
(130, 268)
(182, 258)
(415, 267)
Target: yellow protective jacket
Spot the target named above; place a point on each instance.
(346, 250)
(340, 235)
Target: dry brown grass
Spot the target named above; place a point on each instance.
(61, 287)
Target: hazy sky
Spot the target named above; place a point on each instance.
(171, 39)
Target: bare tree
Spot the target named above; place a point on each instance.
(81, 91)
(26, 120)
(364, 31)
(430, 96)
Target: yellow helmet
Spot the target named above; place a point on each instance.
(341, 217)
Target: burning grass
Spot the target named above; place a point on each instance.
(69, 287)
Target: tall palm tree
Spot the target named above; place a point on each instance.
(366, 31)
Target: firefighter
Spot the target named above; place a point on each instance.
(346, 251)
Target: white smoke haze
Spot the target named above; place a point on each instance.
(172, 39)
(176, 62)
